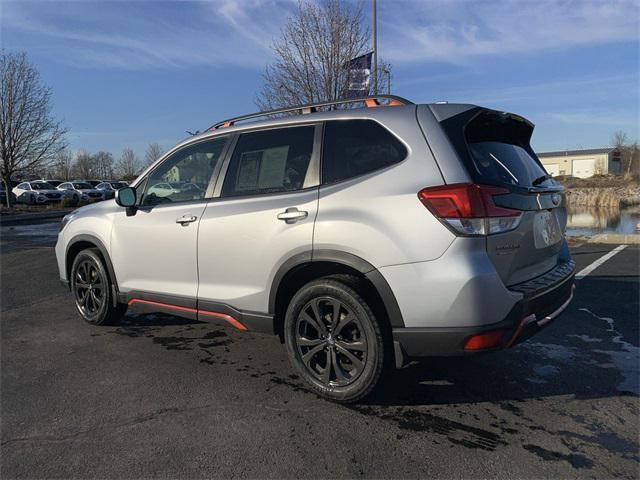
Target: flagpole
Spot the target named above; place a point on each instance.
(375, 50)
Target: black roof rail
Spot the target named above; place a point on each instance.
(370, 101)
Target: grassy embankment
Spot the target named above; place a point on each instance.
(601, 191)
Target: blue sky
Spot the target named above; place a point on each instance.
(124, 74)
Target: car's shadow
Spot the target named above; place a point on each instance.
(581, 355)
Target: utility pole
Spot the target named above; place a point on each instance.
(375, 49)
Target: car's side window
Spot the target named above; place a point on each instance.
(23, 186)
(185, 175)
(269, 161)
(356, 147)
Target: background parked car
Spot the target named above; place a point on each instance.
(36, 192)
(109, 188)
(55, 183)
(93, 183)
(78, 190)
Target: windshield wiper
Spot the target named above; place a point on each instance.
(541, 179)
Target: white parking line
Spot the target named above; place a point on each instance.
(587, 270)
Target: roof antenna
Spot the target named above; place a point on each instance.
(197, 132)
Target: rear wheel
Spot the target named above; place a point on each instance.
(92, 291)
(334, 340)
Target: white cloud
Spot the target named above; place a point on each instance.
(219, 33)
(595, 118)
(148, 34)
(459, 31)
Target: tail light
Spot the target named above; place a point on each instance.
(469, 209)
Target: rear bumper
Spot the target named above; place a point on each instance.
(528, 316)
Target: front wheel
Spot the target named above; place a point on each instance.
(334, 340)
(91, 288)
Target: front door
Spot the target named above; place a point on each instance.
(264, 215)
(154, 250)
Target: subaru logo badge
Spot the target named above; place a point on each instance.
(555, 198)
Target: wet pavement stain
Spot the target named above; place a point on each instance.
(455, 432)
(576, 460)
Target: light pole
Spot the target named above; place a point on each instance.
(375, 50)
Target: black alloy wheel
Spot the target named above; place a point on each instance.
(89, 288)
(331, 341)
(334, 339)
(92, 289)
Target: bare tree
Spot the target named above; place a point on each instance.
(61, 168)
(82, 167)
(312, 55)
(102, 165)
(629, 153)
(29, 135)
(619, 139)
(154, 152)
(128, 165)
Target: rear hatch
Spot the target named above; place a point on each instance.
(495, 150)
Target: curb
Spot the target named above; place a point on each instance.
(6, 220)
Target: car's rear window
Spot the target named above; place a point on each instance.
(498, 162)
(494, 147)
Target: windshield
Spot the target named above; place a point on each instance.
(42, 186)
(498, 162)
(82, 186)
(118, 185)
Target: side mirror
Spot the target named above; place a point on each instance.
(126, 197)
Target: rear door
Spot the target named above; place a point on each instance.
(267, 199)
(495, 149)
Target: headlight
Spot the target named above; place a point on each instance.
(66, 219)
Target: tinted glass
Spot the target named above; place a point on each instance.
(82, 186)
(185, 175)
(502, 163)
(356, 147)
(42, 186)
(269, 161)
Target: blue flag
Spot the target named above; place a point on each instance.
(359, 76)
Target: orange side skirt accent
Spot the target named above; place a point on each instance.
(227, 318)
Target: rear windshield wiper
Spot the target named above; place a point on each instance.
(541, 179)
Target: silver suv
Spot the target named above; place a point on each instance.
(363, 237)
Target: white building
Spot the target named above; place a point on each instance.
(582, 163)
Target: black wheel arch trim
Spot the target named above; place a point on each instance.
(103, 251)
(347, 259)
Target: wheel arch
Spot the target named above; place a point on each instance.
(307, 266)
(82, 242)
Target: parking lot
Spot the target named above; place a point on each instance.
(159, 396)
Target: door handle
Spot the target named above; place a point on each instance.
(292, 215)
(186, 219)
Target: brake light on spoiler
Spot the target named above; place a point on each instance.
(468, 209)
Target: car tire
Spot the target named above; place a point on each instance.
(350, 344)
(91, 287)
(75, 198)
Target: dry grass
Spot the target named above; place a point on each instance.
(597, 181)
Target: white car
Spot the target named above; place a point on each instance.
(109, 188)
(36, 192)
(81, 191)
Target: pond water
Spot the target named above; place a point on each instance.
(586, 221)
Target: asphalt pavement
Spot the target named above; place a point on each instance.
(159, 396)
